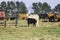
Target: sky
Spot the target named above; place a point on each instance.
(28, 3)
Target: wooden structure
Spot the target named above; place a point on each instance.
(3, 18)
(6, 22)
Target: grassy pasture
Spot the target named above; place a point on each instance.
(46, 31)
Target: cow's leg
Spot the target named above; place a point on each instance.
(4, 22)
(49, 19)
(28, 24)
(34, 25)
(58, 19)
(37, 23)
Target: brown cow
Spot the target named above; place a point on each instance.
(22, 16)
(53, 17)
(57, 17)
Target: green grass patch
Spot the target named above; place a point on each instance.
(27, 32)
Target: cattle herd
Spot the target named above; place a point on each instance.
(33, 18)
(51, 17)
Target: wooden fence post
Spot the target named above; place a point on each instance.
(4, 22)
(16, 19)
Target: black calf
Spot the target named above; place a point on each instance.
(31, 21)
(12, 18)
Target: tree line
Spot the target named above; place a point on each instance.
(12, 7)
(44, 8)
(20, 7)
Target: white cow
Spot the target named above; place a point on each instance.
(34, 16)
